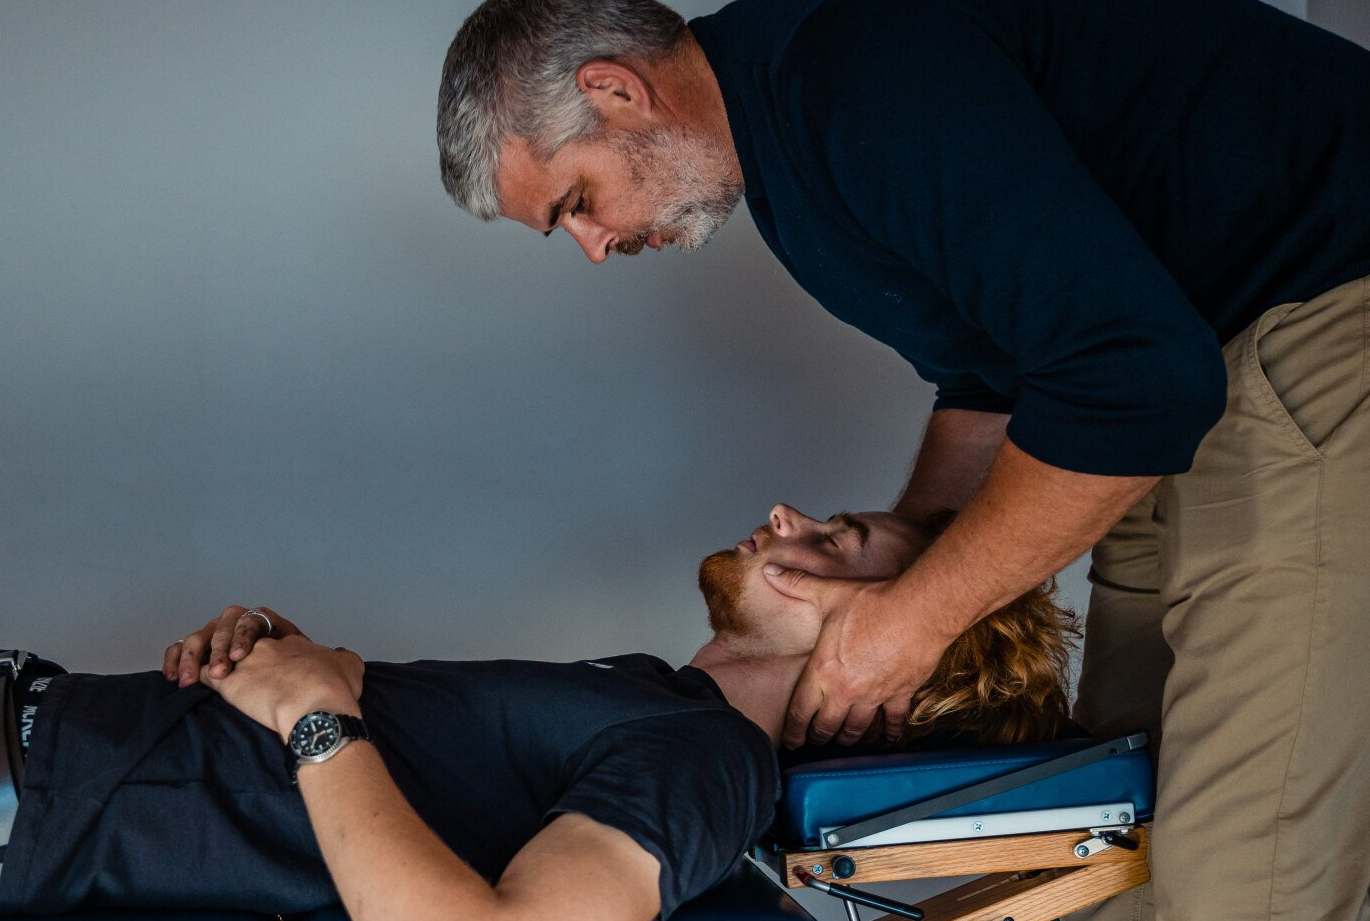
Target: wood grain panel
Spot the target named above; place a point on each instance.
(958, 858)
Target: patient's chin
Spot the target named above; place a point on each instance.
(720, 581)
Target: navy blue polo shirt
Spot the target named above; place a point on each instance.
(1057, 209)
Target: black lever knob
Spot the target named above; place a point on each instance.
(1118, 839)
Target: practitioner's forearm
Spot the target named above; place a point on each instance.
(955, 456)
(1026, 522)
(384, 860)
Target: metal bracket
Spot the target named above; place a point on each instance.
(1104, 837)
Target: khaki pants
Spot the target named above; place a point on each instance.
(1230, 617)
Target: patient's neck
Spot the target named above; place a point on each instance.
(759, 685)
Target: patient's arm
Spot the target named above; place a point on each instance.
(385, 862)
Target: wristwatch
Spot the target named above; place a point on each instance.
(319, 735)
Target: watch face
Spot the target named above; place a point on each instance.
(315, 734)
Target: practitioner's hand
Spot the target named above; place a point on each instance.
(872, 654)
(285, 679)
(226, 639)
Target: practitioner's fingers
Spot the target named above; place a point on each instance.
(804, 703)
(828, 721)
(796, 583)
(859, 719)
(896, 718)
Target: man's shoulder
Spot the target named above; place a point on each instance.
(868, 48)
(754, 31)
(649, 706)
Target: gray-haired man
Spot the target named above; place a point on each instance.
(1107, 232)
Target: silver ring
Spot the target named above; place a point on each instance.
(262, 614)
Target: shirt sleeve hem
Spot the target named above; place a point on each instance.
(665, 875)
(1108, 447)
(981, 403)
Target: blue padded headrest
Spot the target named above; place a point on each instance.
(824, 794)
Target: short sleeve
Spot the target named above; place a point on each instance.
(942, 150)
(967, 391)
(694, 789)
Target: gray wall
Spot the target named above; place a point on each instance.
(1350, 18)
(249, 353)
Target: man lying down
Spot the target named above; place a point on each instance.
(608, 789)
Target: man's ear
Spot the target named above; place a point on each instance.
(617, 90)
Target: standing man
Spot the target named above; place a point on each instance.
(1129, 243)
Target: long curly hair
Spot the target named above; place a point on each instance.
(1004, 680)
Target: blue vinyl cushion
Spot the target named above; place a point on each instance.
(832, 793)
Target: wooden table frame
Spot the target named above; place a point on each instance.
(1031, 877)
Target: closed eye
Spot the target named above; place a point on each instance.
(853, 524)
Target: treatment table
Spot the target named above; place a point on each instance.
(1054, 826)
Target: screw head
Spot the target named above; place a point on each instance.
(1124, 817)
(979, 826)
(818, 869)
(1081, 851)
(1107, 816)
(832, 839)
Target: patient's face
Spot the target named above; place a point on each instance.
(864, 545)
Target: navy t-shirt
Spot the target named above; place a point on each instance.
(1053, 208)
(140, 795)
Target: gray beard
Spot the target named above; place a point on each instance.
(687, 180)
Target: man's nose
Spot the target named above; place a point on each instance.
(596, 241)
(786, 522)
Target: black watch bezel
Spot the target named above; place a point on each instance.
(343, 728)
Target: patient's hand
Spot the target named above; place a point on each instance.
(287, 678)
(220, 643)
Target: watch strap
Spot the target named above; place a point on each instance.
(353, 727)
